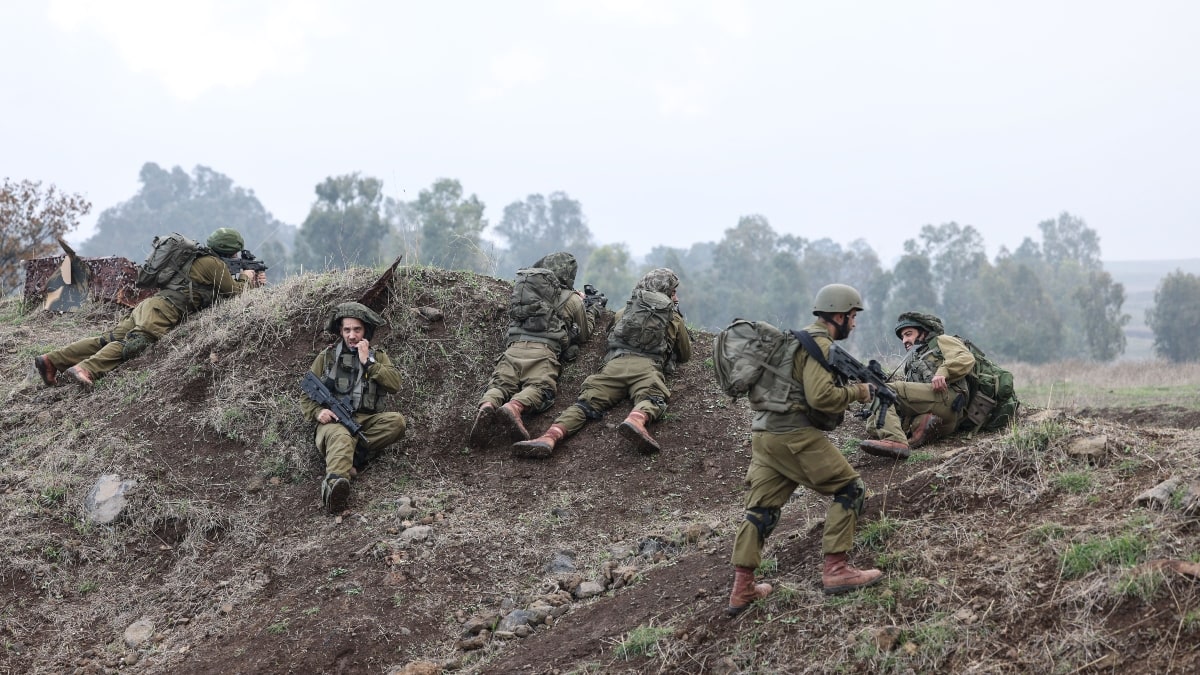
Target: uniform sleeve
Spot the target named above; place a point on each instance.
(210, 272)
(681, 341)
(309, 407)
(575, 313)
(820, 391)
(384, 373)
(957, 360)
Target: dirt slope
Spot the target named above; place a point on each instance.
(226, 551)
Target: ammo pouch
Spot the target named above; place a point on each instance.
(826, 421)
(979, 410)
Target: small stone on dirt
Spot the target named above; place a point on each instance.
(138, 633)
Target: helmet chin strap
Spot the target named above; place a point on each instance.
(841, 333)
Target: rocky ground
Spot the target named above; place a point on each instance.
(1042, 548)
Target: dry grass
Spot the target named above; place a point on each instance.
(1079, 384)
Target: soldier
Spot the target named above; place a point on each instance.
(207, 280)
(648, 338)
(350, 368)
(525, 377)
(934, 393)
(788, 449)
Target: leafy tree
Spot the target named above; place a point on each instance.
(450, 227)
(1103, 322)
(1023, 322)
(1175, 317)
(31, 220)
(538, 226)
(610, 270)
(193, 205)
(744, 268)
(345, 226)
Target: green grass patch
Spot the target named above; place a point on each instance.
(1124, 550)
(642, 641)
(874, 535)
(1074, 482)
(1036, 437)
(1142, 585)
(767, 567)
(1046, 532)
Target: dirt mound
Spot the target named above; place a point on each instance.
(1003, 552)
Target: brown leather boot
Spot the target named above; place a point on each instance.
(745, 591)
(634, 430)
(893, 449)
(482, 426)
(543, 445)
(81, 375)
(925, 428)
(509, 416)
(45, 368)
(839, 576)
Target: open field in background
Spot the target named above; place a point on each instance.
(1124, 384)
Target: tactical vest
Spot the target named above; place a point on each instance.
(345, 378)
(643, 328)
(799, 413)
(924, 364)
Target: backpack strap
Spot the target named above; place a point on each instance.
(810, 346)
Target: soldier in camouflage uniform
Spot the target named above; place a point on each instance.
(525, 377)
(933, 394)
(789, 450)
(351, 368)
(209, 281)
(636, 372)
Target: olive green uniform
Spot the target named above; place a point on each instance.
(527, 371)
(943, 355)
(638, 377)
(151, 319)
(380, 428)
(787, 451)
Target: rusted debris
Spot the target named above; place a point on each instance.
(107, 279)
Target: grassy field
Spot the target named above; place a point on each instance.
(1125, 384)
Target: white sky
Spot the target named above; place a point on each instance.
(668, 120)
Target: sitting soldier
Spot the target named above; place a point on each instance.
(933, 394)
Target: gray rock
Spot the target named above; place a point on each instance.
(138, 633)
(588, 589)
(517, 617)
(560, 563)
(414, 535)
(106, 499)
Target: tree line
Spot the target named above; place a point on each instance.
(1046, 300)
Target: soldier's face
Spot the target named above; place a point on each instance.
(352, 331)
(909, 336)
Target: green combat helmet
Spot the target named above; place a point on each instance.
(837, 299)
(226, 241)
(926, 323)
(662, 280)
(371, 320)
(563, 265)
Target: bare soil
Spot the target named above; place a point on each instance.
(227, 551)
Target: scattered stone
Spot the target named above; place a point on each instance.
(561, 562)
(1160, 495)
(106, 500)
(620, 551)
(567, 582)
(1092, 448)
(138, 633)
(226, 608)
(478, 624)
(523, 631)
(430, 314)
(538, 613)
(414, 535)
(427, 520)
(131, 658)
(696, 532)
(416, 668)
(588, 589)
(624, 576)
(517, 617)
(477, 642)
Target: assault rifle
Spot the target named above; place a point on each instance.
(591, 296)
(317, 391)
(851, 368)
(243, 261)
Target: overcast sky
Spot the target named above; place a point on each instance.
(667, 120)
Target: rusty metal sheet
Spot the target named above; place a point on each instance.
(110, 279)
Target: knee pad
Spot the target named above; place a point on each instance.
(547, 402)
(588, 411)
(660, 404)
(764, 520)
(134, 344)
(852, 496)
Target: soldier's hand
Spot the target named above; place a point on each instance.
(364, 351)
(260, 278)
(247, 276)
(326, 416)
(939, 383)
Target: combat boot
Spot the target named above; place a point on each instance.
(45, 368)
(745, 591)
(925, 429)
(509, 415)
(482, 426)
(634, 430)
(543, 445)
(81, 375)
(839, 576)
(335, 493)
(893, 449)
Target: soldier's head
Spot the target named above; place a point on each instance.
(838, 306)
(226, 241)
(661, 280)
(360, 320)
(563, 265)
(915, 327)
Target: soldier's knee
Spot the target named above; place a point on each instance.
(134, 344)
(590, 412)
(852, 496)
(546, 403)
(763, 519)
(660, 405)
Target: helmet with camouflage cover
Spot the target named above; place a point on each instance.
(926, 323)
(837, 299)
(661, 280)
(225, 241)
(563, 265)
(355, 310)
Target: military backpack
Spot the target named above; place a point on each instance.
(993, 402)
(642, 328)
(533, 307)
(754, 359)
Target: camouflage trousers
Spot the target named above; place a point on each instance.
(779, 463)
(913, 399)
(629, 375)
(527, 372)
(337, 444)
(151, 319)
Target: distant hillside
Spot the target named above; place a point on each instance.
(1140, 278)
